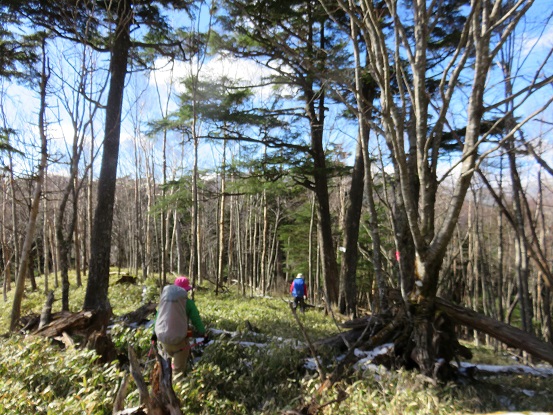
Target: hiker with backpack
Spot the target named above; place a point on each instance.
(172, 329)
(298, 289)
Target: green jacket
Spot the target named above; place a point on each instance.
(194, 316)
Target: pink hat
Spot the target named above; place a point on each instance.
(183, 283)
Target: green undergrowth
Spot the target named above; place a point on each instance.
(39, 378)
(488, 355)
(253, 366)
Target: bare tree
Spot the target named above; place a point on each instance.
(73, 98)
(31, 224)
(407, 104)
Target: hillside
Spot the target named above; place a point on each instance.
(256, 363)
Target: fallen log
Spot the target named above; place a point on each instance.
(65, 322)
(139, 316)
(503, 332)
(127, 279)
(66, 325)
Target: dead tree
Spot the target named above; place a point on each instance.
(160, 400)
(46, 314)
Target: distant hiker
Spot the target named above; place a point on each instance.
(298, 289)
(171, 326)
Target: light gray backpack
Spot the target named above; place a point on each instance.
(172, 321)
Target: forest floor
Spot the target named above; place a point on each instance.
(255, 363)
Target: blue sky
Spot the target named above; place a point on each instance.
(21, 104)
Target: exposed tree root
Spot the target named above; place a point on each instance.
(424, 338)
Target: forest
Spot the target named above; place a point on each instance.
(395, 153)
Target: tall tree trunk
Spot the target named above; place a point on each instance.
(89, 204)
(54, 250)
(15, 216)
(221, 233)
(374, 231)
(473, 271)
(324, 222)
(544, 290)
(232, 273)
(77, 249)
(46, 244)
(264, 244)
(96, 297)
(315, 108)
(521, 248)
(148, 254)
(194, 256)
(6, 250)
(273, 269)
(254, 243)
(139, 237)
(240, 245)
(65, 241)
(500, 254)
(312, 276)
(354, 202)
(31, 225)
(221, 221)
(250, 243)
(181, 270)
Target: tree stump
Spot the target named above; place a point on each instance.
(46, 314)
(161, 400)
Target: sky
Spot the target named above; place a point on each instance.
(20, 104)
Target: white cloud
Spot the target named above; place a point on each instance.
(538, 31)
(542, 43)
(243, 71)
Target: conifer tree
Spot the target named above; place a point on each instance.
(295, 39)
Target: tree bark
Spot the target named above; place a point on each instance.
(221, 221)
(45, 247)
(263, 260)
(324, 223)
(354, 202)
(543, 290)
(96, 297)
(15, 216)
(312, 276)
